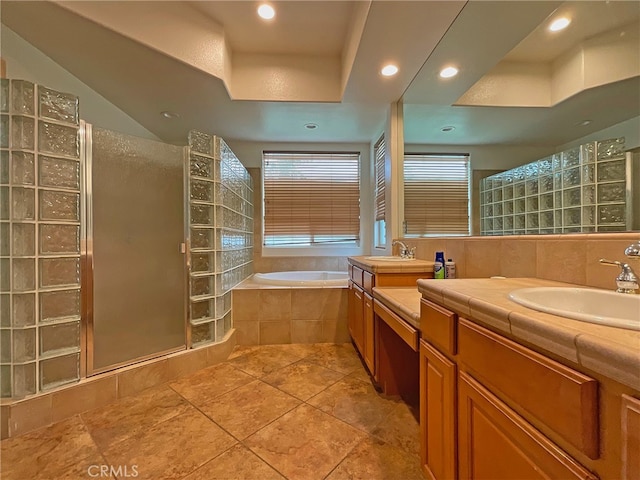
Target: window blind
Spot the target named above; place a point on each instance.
(379, 150)
(311, 198)
(436, 194)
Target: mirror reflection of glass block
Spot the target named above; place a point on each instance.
(59, 239)
(588, 216)
(507, 194)
(5, 310)
(508, 222)
(58, 139)
(4, 95)
(201, 238)
(4, 203)
(546, 220)
(520, 222)
(611, 214)
(56, 205)
(533, 220)
(23, 168)
(202, 286)
(59, 305)
(24, 345)
(5, 275)
(58, 106)
(59, 371)
(572, 197)
(200, 310)
(4, 239)
(231, 202)
(202, 334)
(572, 216)
(588, 195)
(22, 132)
(571, 158)
(24, 310)
(546, 184)
(58, 338)
(532, 204)
(202, 262)
(612, 148)
(5, 381)
(201, 142)
(4, 131)
(200, 166)
(611, 171)
(531, 187)
(612, 192)
(4, 167)
(497, 225)
(546, 201)
(588, 152)
(571, 177)
(588, 173)
(202, 191)
(508, 208)
(545, 166)
(58, 272)
(498, 209)
(557, 199)
(202, 215)
(5, 346)
(23, 276)
(24, 239)
(557, 180)
(23, 204)
(22, 97)
(24, 380)
(58, 172)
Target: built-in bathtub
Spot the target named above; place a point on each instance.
(303, 279)
(291, 307)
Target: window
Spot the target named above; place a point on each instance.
(311, 198)
(380, 230)
(436, 195)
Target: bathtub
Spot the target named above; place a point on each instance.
(303, 279)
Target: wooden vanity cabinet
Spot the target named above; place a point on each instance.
(480, 397)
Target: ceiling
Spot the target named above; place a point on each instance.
(224, 70)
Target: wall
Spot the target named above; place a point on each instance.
(25, 62)
(629, 129)
(566, 258)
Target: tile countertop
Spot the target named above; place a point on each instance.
(377, 266)
(610, 351)
(405, 301)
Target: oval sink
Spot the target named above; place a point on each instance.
(585, 304)
(383, 258)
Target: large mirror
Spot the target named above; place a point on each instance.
(524, 92)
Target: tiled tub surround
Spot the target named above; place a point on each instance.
(571, 258)
(17, 418)
(40, 231)
(265, 314)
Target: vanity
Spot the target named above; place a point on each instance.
(505, 391)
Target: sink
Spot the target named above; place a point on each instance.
(382, 258)
(585, 304)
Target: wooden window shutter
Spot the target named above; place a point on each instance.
(379, 153)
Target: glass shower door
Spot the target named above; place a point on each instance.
(135, 232)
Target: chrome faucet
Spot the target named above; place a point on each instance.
(627, 281)
(405, 251)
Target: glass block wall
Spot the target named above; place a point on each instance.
(39, 238)
(584, 189)
(220, 236)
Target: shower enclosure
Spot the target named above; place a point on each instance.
(113, 249)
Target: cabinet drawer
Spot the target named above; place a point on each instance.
(405, 331)
(496, 442)
(368, 282)
(356, 275)
(439, 326)
(562, 399)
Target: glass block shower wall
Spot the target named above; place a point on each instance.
(220, 237)
(584, 189)
(39, 238)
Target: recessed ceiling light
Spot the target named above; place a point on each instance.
(266, 11)
(559, 24)
(169, 115)
(311, 126)
(448, 129)
(448, 72)
(389, 70)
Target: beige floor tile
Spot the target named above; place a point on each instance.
(205, 385)
(341, 357)
(265, 360)
(374, 459)
(401, 428)
(303, 379)
(127, 417)
(247, 409)
(171, 449)
(305, 443)
(47, 453)
(355, 402)
(237, 463)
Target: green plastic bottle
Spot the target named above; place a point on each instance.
(438, 266)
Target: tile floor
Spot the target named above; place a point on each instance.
(268, 412)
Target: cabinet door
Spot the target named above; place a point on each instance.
(495, 443)
(437, 414)
(369, 354)
(357, 332)
(630, 437)
(351, 304)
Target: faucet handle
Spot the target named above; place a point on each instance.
(633, 251)
(627, 281)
